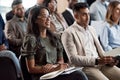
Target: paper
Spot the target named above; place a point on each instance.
(59, 72)
(114, 52)
(70, 70)
(51, 75)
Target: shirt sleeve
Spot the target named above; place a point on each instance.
(28, 47)
(104, 39)
(5, 41)
(2, 24)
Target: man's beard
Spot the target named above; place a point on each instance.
(19, 16)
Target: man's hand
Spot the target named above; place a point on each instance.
(107, 60)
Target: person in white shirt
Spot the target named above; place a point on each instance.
(84, 50)
(98, 10)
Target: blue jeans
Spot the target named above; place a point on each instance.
(11, 55)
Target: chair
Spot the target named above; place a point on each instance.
(26, 74)
(7, 69)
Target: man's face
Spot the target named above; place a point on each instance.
(83, 17)
(19, 11)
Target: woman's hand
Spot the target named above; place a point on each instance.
(62, 66)
(48, 68)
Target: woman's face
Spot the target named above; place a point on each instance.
(116, 13)
(52, 5)
(43, 20)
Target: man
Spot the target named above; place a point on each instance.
(84, 50)
(3, 41)
(98, 10)
(15, 28)
(68, 13)
(10, 14)
(39, 2)
(4, 46)
(2, 24)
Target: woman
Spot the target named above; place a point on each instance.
(58, 23)
(43, 49)
(110, 37)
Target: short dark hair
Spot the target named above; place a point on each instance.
(79, 6)
(16, 2)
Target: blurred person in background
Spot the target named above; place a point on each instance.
(15, 28)
(2, 24)
(38, 3)
(58, 23)
(110, 35)
(98, 10)
(10, 14)
(68, 13)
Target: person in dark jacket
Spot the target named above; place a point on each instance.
(68, 13)
(2, 24)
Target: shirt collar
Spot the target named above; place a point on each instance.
(80, 27)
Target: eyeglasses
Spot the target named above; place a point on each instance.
(44, 16)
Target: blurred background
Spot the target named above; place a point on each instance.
(5, 5)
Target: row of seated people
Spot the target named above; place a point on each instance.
(15, 35)
(37, 16)
(39, 41)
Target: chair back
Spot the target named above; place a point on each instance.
(7, 69)
(26, 74)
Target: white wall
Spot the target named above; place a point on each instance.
(62, 4)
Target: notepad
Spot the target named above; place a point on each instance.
(59, 72)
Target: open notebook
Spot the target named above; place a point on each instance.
(114, 52)
(59, 72)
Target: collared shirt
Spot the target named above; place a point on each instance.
(110, 36)
(98, 10)
(90, 48)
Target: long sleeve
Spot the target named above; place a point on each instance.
(104, 39)
(74, 50)
(5, 41)
(2, 24)
(12, 35)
